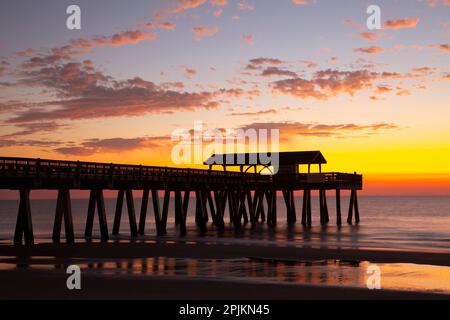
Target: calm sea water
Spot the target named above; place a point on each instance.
(419, 223)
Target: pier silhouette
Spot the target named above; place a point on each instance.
(245, 194)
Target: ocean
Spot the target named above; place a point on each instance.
(392, 222)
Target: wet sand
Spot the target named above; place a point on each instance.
(45, 284)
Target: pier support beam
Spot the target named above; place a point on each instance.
(24, 226)
(143, 214)
(63, 210)
(324, 218)
(165, 211)
(304, 206)
(181, 209)
(96, 199)
(353, 206)
(308, 209)
(338, 207)
(290, 206)
(219, 209)
(157, 212)
(272, 207)
(131, 212)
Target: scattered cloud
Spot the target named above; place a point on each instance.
(189, 72)
(219, 3)
(248, 38)
(254, 113)
(290, 129)
(444, 47)
(369, 50)
(201, 32)
(301, 2)
(183, 5)
(84, 93)
(112, 145)
(401, 23)
(326, 84)
(258, 63)
(275, 71)
(370, 36)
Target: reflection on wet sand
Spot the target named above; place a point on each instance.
(398, 276)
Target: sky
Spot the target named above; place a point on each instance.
(373, 101)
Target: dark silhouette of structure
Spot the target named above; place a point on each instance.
(247, 195)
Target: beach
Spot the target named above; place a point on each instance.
(23, 281)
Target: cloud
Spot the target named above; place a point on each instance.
(34, 127)
(84, 93)
(258, 63)
(309, 64)
(217, 12)
(369, 50)
(290, 129)
(3, 67)
(275, 71)
(81, 46)
(167, 25)
(183, 5)
(189, 72)
(424, 69)
(201, 32)
(326, 84)
(401, 23)
(369, 36)
(248, 38)
(255, 113)
(301, 2)
(220, 3)
(113, 145)
(243, 5)
(444, 47)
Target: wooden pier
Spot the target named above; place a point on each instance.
(247, 197)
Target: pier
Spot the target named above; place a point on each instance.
(245, 197)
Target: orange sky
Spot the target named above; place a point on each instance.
(373, 101)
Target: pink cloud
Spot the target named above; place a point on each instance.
(301, 2)
(218, 12)
(401, 23)
(369, 36)
(183, 5)
(369, 50)
(201, 32)
(220, 3)
(248, 38)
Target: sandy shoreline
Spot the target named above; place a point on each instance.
(44, 284)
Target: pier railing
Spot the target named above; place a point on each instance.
(46, 169)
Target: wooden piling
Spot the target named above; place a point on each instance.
(165, 211)
(157, 211)
(338, 207)
(350, 207)
(143, 214)
(308, 209)
(304, 206)
(128, 193)
(63, 210)
(24, 226)
(355, 203)
(118, 213)
(96, 198)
